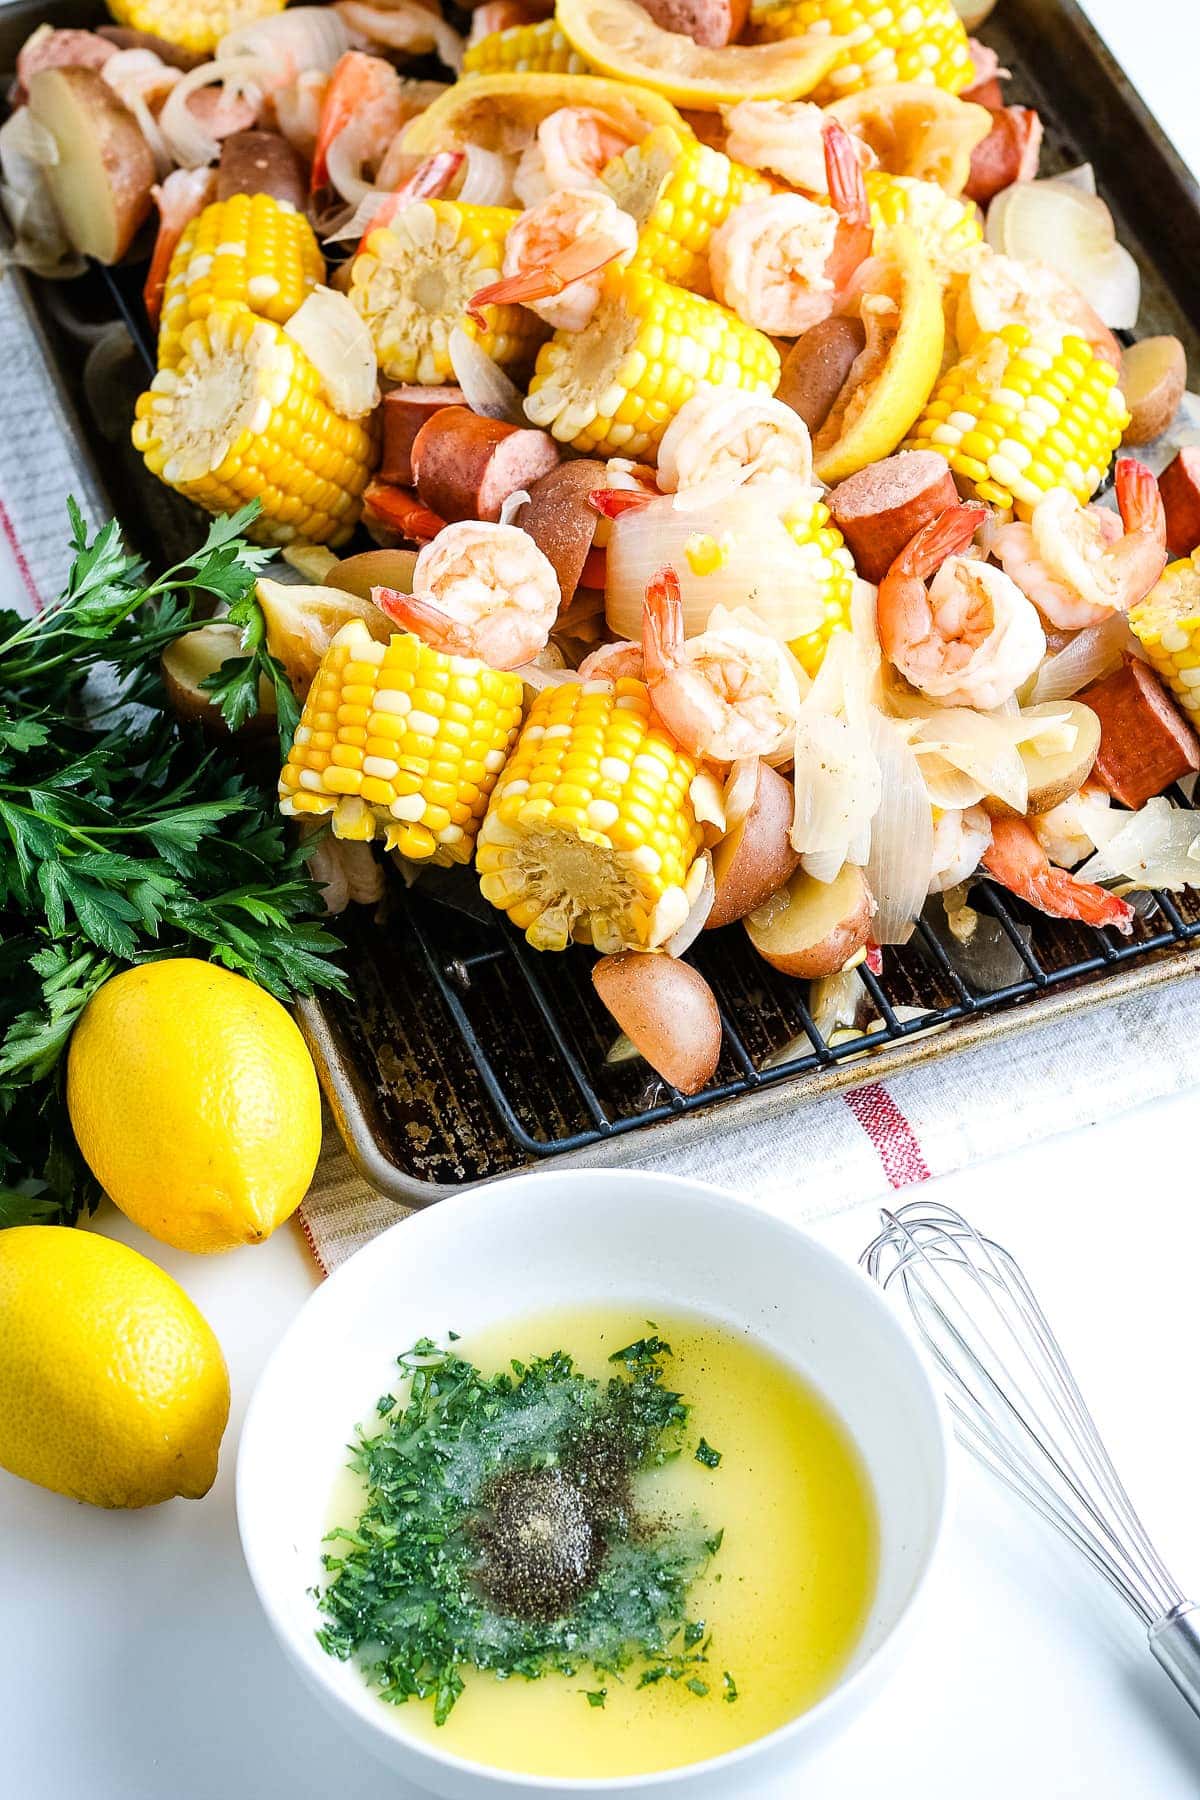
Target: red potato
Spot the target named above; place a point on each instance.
(1179, 486)
(190, 660)
(261, 162)
(1008, 153)
(755, 859)
(813, 928)
(713, 23)
(1145, 744)
(303, 621)
(1153, 382)
(1054, 778)
(667, 1010)
(880, 509)
(562, 522)
(816, 367)
(105, 170)
(465, 467)
(405, 410)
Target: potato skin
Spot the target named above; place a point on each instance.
(667, 1009)
(756, 859)
(102, 180)
(807, 946)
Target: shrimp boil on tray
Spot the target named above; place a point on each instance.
(734, 428)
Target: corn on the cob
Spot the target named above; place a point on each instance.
(678, 192)
(829, 569)
(1019, 416)
(402, 742)
(591, 833)
(614, 387)
(413, 280)
(885, 41)
(251, 249)
(947, 229)
(1167, 625)
(241, 417)
(539, 49)
(197, 25)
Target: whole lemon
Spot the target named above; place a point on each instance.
(114, 1388)
(195, 1102)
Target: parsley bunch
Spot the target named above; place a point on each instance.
(123, 836)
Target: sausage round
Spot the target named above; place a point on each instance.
(405, 410)
(465, 467)
(882, 507)
(561, 521)
(1145, 744)
(1179, 485)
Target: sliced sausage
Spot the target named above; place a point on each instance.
(124, 37)
(405, 410)
(261, 162)
(1008, 153)
(562, 522)
(50, 49)
(713, 23)
(985, 90)
(465, 467)
(1145, 744)
(881, 508)
(816, 367)
(1179, 485)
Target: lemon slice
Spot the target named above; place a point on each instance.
(502, 112)
(618, 38)
(891, 396)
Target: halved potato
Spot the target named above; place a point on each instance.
(1054, 778)
(373, 568)
(101, 182)
(812, 928)
(755, 859)
(667, 1010)
(191, 658)
(303, 621)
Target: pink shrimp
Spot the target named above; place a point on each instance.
(479, 590)
(554, 257)
(180, 198)
(399, 511)
(614, 662)
(1018, 862)
(784, 263)
(570, 149)
(429, 179)
(363, 91)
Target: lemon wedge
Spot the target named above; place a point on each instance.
(502, 112)
(619, 39)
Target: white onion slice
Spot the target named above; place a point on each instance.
(983, 749)
(1157, 847)
(1073, 232)
(697, 918)
(343, 162)
(186, 139)
(901, 856)
(486, 388)
(487, 178)
(303, 37)
(510, 507)
(24, 136)
(1082, 177)
(336, 341)
(1089, 655)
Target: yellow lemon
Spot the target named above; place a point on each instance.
(114, 1388)
(195, 1102)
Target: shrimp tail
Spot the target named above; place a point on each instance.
(544, 282)
(180, 198)
(945, 536)
(402, 511)
(1017, 861)
(429, 179)
(1138, 499)
(843, 171)
(354, 80)
(414, 614)
(662, 623)
(612, 503)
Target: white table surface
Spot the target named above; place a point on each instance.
(135, 1665)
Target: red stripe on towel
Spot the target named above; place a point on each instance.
(892, 1137)
(311, 1241)
(23, 569)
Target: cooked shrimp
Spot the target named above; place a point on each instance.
(959, 841)
(555, 256)
(180, 198)
(726, 436)
(298, 110)
(479, 590)
(502, 15)
(431, 177)
(614, 662)
(781, 263)
(572, 146)
(363, 98)
(784, 137)
(1070, 831)
(972, 637)
(728, 693)
(1076, 564)
(1001, 291)
(1018, 862)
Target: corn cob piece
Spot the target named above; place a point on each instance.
(614, 387)
(539, 49)
(413, 280)
(678, 192)
(885, 41)
(250, 248)
(829, 567)
(242, 417)
(591, 834)
(1019, 416)
(402, 742)
(1167, 625)
(192, 26)
(946, 228)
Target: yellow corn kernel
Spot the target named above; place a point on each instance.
(193, 27)
(539, 49)
(829, 568)
(678, 192)
(1167, 625)
(946, 228)
(423, 791)
(885, 41)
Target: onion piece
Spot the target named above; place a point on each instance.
(510, 507)
(1073, 232)
(344, 164)
(837, 779)
(1082, 178)
(190, 145)
(1089, 655)
(40, 241)
(23, 135)
(486, 388)
(1156, 847)
(901, 857)
(487, 178)
(981, 749)
(708, 803)
(302, 38)
(337, 343)
(683, 939)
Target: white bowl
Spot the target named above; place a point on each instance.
(517, 1247)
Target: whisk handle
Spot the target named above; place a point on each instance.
(1175, 1643)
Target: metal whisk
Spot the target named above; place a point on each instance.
(1017, 1409)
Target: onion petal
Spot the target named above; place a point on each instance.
(190, 145)
(901, 835)
(336, 341)
(1072, 231)
(1157, 847)
(486, 389)
(697, 918)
